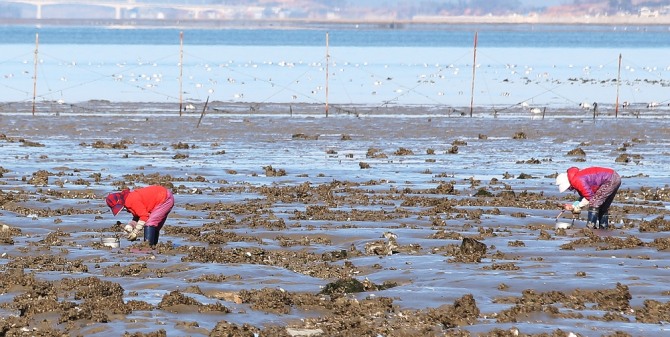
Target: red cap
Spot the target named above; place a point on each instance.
(116, 200)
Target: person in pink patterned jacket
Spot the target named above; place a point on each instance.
(597, 187)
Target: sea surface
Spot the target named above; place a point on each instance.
(515, 66)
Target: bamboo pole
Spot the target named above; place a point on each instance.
(37, 43)
(474, 67)
(181, 71)
(327, 64)
(618, 83)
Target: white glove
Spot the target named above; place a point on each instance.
(130, 226)
(583, 203)
(576, 209)
(132, 235)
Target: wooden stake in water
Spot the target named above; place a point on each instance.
(327, 63)
(204, 108)
(474, 66)
(181, 68)
(37, 43)
(618, 82)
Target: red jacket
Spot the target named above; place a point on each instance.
(587, 181)
(140, 202)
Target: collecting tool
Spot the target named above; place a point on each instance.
(565, 225)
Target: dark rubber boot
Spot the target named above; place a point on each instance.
(604, 220)
(592, 218)
(151, 235)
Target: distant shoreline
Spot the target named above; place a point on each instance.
(416, 23)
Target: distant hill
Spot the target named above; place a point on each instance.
(109, 11)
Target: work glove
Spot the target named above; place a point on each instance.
(139, 227)
(583, 203)
(130, 226)
(576, 208)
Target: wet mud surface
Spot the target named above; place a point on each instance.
(349, 225)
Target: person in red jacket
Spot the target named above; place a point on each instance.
(596, 186)
(150, 207)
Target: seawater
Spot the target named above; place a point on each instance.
(514, 65)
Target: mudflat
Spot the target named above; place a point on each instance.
(402, 223)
